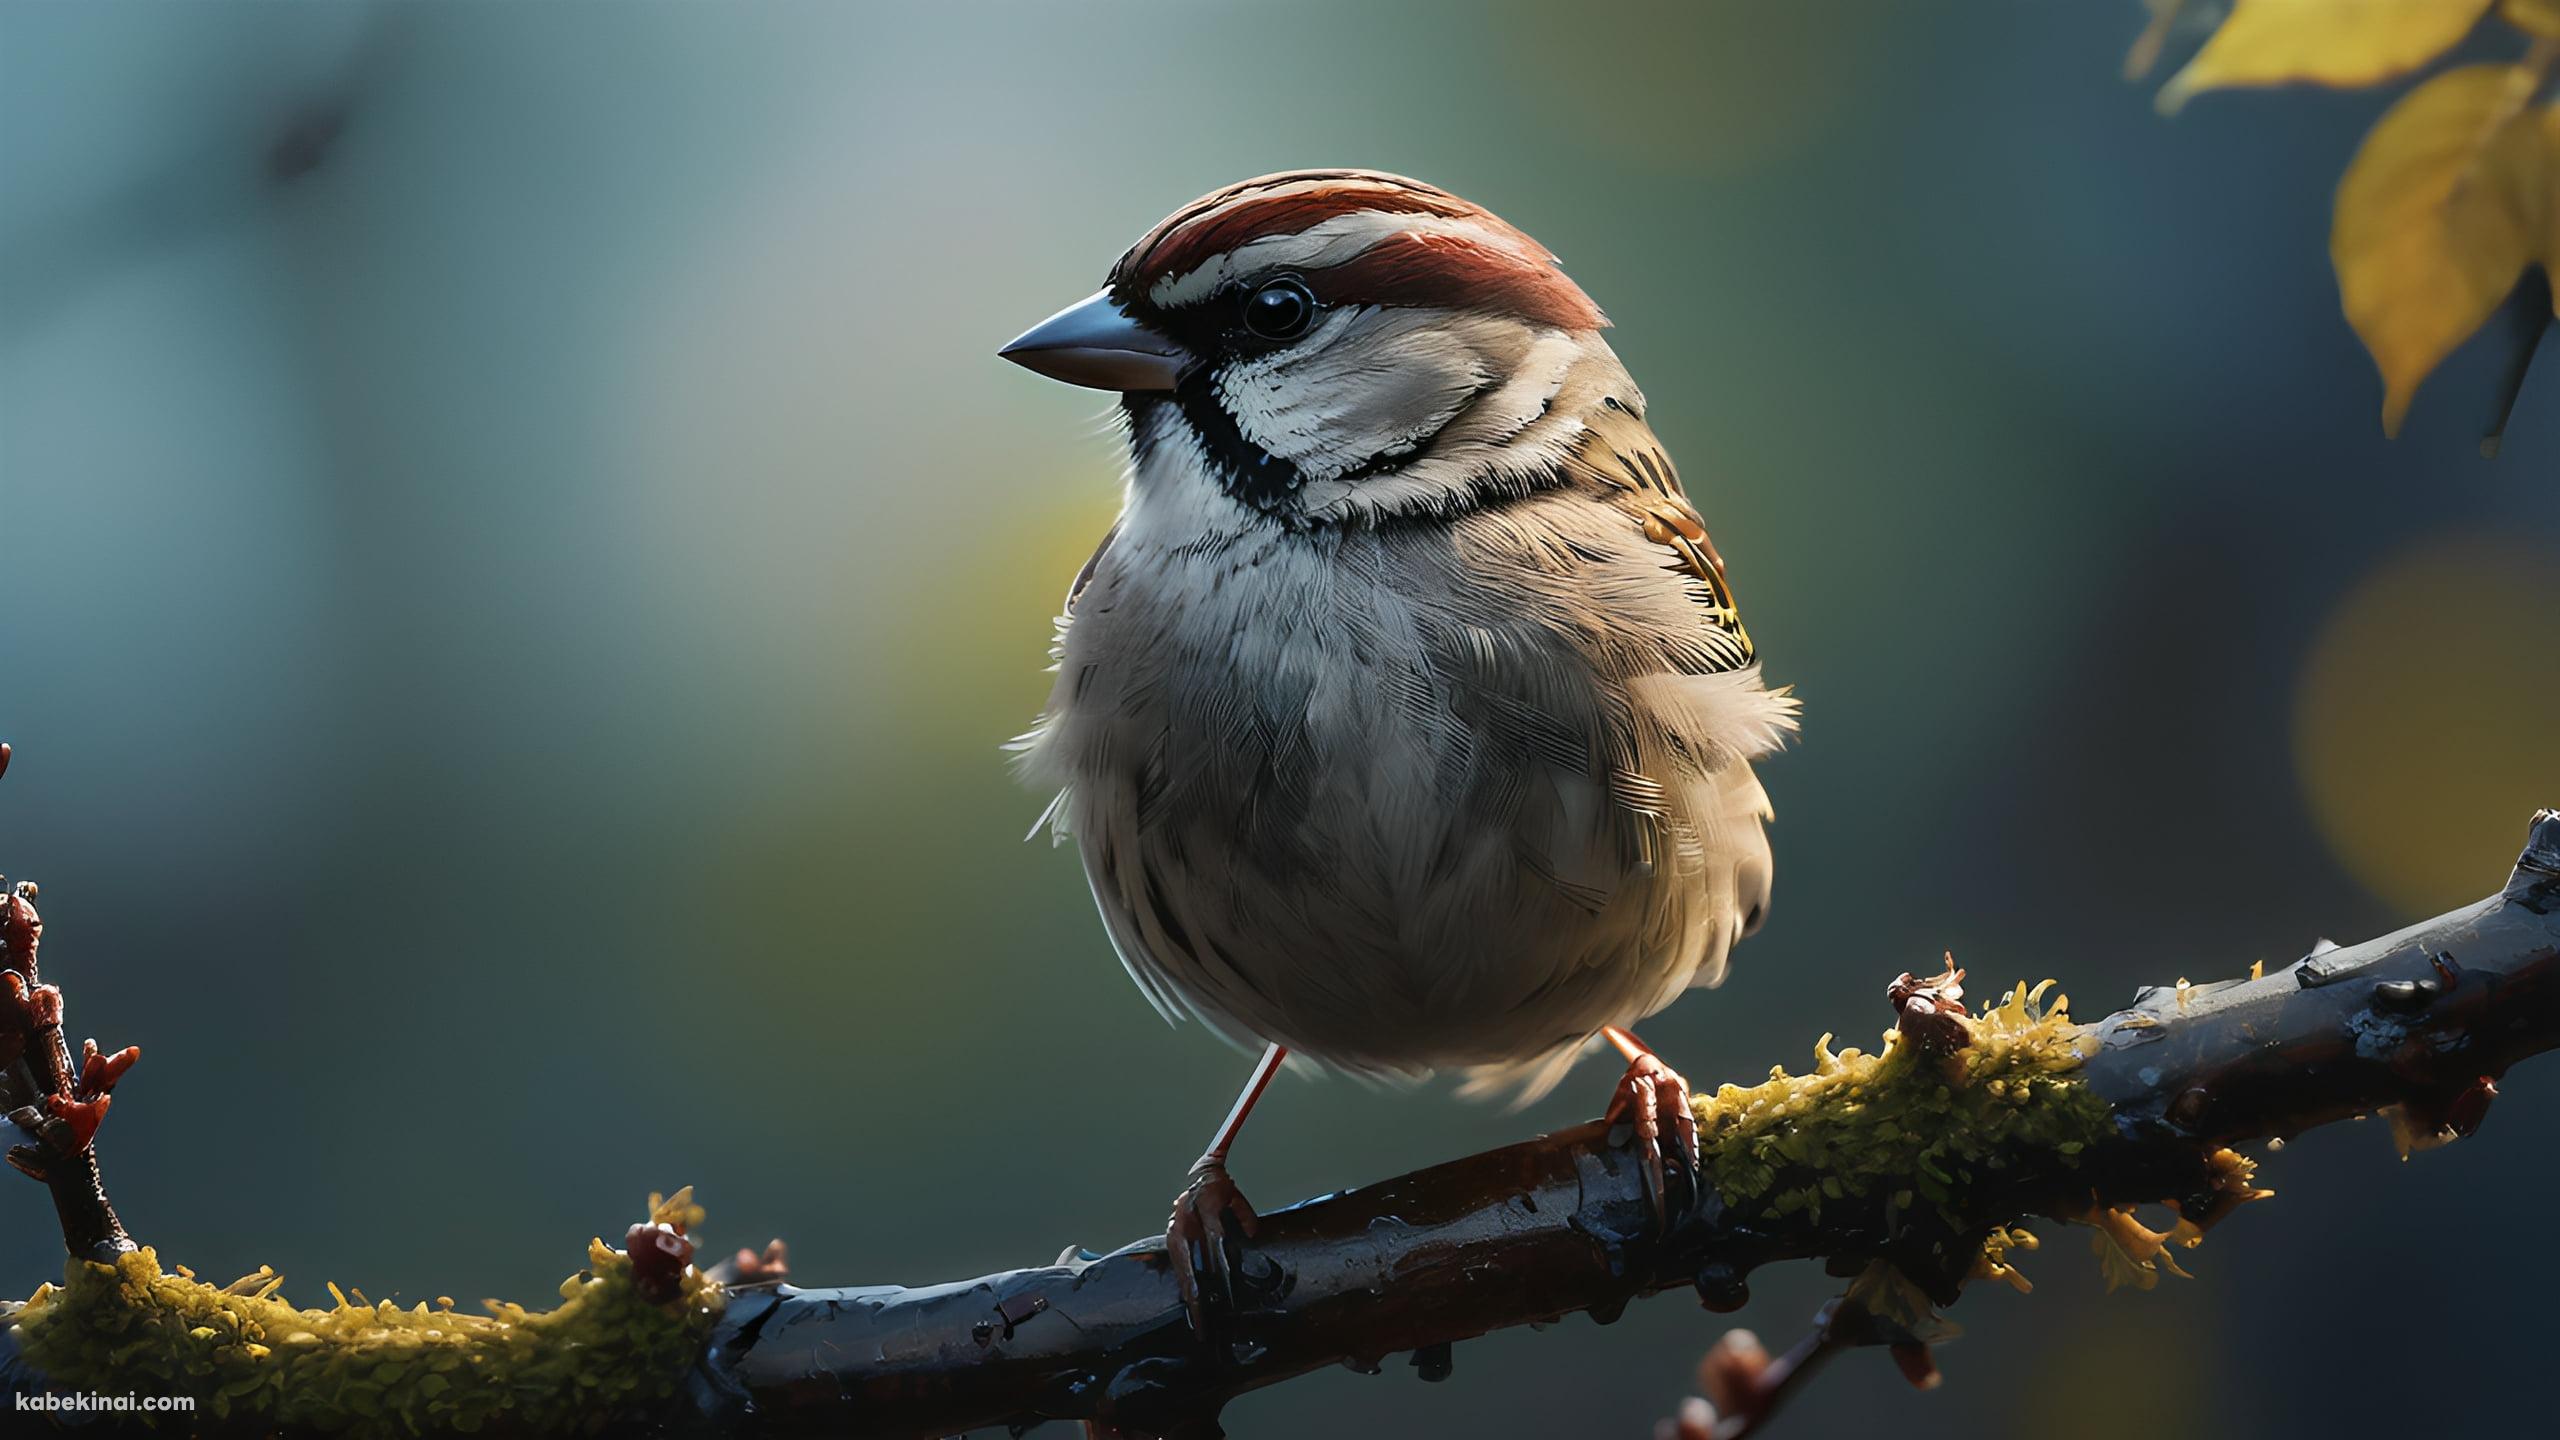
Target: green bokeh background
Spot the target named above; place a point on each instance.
(508, 631)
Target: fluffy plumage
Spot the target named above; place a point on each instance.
(1405, 719)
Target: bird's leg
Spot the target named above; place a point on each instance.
(1653, 1098)
(1202, 1212)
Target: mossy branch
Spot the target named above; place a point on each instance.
(1909, 1168)
(1906, 1169)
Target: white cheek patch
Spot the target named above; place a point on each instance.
(1514, 439)
(1364, 385)
(1522, 400)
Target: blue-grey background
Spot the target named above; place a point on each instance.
(516, 558)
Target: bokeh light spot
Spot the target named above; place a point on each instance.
(2427, 719)
(974, 654)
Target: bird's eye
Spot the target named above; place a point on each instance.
(1280, 310)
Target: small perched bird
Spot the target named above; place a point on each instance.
(1404, 721)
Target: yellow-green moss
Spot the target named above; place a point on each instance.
(1912, 1128)
(368, 1370)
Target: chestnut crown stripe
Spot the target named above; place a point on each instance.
(1458, 272)
(1362, 239)
(1273, 204)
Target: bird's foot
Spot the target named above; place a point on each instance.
(1205, 1214)
(1652, 1103)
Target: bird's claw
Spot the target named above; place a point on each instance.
(1653, 1099)
(1207, 1213)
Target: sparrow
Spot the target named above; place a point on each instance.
(1404, 721)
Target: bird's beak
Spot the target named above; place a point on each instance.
(1094, 342)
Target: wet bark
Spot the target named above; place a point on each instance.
(2421, 1019)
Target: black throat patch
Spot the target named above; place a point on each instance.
(1250, 475)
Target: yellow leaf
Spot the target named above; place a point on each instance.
(2324, 42)
(2537, 17)
(2437, 217)
(2536, 180)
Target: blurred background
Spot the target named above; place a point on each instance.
(517, 556)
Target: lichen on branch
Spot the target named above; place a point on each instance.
(627, 1329)
(1915, 1126)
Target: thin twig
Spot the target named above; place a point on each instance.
(55, 1106)
(2528, 318)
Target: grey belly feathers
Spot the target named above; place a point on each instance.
(1339, 789)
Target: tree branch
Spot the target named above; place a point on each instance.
(2419, 1021)
(2017, 1114)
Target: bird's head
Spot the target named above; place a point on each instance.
(1334, 344)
